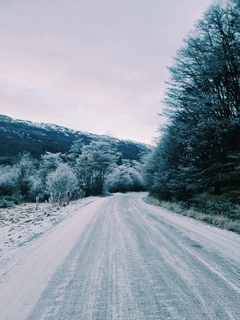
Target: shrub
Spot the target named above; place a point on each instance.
(5, 203)
(61, 184)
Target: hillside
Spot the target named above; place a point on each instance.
(17, 136)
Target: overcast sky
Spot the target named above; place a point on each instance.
(91, 65)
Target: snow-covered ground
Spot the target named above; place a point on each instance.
(120, 258)
(23, 223)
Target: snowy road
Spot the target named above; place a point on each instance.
(121, 258)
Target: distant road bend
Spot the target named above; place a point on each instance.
(121, 258)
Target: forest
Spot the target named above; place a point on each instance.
(196, 162)
(85, 170)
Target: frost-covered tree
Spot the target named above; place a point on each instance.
(119, 180)
(8, 180)
(26, 168)
(61, 184)
(48, 163)
(93, 165)
(75, 150)
(200, 144)
(18, 180)
(125, 177)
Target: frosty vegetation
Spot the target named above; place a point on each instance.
(197, 158)
(86, 170)
(196, 162)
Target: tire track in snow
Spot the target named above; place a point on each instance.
(134, 261)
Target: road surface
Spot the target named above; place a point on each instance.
(122, 258)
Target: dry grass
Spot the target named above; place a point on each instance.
(219, 221)
(153, 200)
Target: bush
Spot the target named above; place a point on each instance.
(61, 184)
(6, 203)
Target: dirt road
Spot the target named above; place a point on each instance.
(121, 258)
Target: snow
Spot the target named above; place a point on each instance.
(20, 283)
(224, 240)
(120, 258)
(23, 223)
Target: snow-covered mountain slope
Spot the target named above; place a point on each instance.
(18, 135)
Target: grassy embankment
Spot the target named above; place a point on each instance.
(222, 211)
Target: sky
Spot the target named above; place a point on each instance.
(98, 66)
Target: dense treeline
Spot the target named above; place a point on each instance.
(86, 170)
(199, 148)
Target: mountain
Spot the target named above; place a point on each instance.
(17, 136)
